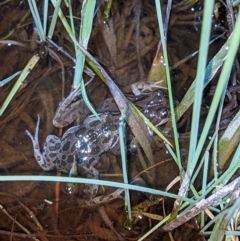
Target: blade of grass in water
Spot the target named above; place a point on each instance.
(106, 13)
(202, 60)
(26, 71)
(72, 23)
(7, 80)
(214, 164)
(45, 16)
(206, 29)
(176, 139)
(54, 19)
(87, 15)
(122, 140)
(93, 181)
(37, 20)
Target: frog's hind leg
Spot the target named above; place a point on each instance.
(52, 153)
(42, 159)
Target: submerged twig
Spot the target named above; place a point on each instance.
(15, 221)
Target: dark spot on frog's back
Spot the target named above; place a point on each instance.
(55, 147)
(52, 155)
(94, 123)
(63, 163)
(48, 160)
(80, 131)
(70, 159)
(66, 146)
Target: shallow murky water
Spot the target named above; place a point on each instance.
(45, 209)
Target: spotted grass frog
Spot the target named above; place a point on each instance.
(90, 139)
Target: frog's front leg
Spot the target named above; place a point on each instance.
(46, 160)
(69, 110)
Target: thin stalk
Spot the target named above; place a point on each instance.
(45, 16)
(175, 132)
(202, 60)
(26, 71)
(122, 140)
(54, 19)
(87, 14)
(37, 20)
(92, 181)
(7, 80)
(72, 22)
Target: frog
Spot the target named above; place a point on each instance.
(94, 136)
(87, 141)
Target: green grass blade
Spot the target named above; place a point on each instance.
(122, 140)
(87, 15)
(37, 20)
(45, 16)
(206, 29)
(7, 80)
(92, 181)
(26, 71)
(63, 19)
(164, 47)
(72, 22)
(54, 19)
(202, 60)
